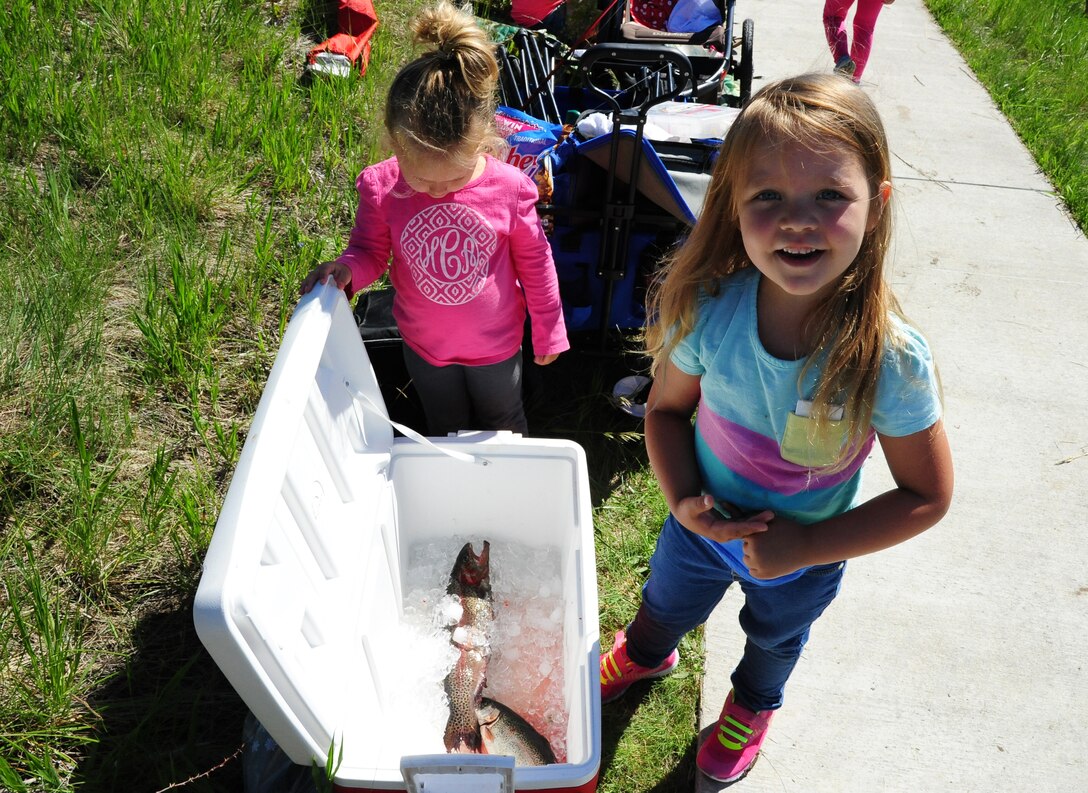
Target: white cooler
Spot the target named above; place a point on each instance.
(304, 576)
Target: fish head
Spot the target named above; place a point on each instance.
(471, 572)
(503, 731)
(487, 714)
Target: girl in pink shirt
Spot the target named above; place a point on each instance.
(458, 231)
(850, 59)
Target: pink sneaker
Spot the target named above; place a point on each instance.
(618, 672)
(732, 748)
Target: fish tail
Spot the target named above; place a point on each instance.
(462, 740)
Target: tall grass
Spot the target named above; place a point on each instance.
(166, 178)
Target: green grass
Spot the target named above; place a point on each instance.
(166, 179)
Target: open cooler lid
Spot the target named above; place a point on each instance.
(318, 445)
(321, 348)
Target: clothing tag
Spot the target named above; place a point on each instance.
(804, 410)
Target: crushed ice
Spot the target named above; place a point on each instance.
(525, 671)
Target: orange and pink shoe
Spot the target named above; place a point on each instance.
(731, 750)
(619, 672)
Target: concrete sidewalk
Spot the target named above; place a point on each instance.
(954, 662)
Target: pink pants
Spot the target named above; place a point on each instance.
(864, 24)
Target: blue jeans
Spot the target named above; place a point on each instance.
(687, 580)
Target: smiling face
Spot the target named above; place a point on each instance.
(803, 215)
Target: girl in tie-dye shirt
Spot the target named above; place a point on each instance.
(778, 333)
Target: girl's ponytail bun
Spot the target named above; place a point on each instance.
(445, 99)
(455, 37)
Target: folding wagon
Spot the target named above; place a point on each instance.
(618, 201)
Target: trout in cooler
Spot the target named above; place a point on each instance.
(505, 732)
(470, 582)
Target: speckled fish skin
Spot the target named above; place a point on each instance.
(503, 731)
(470, 582)
(464, 686)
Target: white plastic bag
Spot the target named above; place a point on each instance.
(692, 16)
(594, 124)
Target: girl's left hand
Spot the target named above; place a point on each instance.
(778, 551)
(699, 515)
(544, 360)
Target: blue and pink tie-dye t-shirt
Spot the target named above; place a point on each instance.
(748, 396)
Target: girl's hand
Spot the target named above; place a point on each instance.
(544, 360)
(697, 514)
(778, 551)
(321, 273)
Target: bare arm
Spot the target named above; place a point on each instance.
(920, 464)
(670, 444)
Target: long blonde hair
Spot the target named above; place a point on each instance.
(852, 325)
(443, 102)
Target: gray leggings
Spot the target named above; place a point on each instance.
(458, 397)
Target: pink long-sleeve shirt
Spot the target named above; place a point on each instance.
(466, 267)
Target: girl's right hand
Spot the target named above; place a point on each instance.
(697, 514)
(320, 274)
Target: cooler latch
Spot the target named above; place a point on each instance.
(458, 773)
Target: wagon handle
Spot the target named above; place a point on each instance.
(638, 54)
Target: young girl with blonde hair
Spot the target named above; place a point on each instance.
(775, 327)
(469, 256)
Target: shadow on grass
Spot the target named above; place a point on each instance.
(681, 779)
(168, 716)
(319, 19)
(572, 398)
(615, 719)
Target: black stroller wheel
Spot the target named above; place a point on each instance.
(745, 69)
